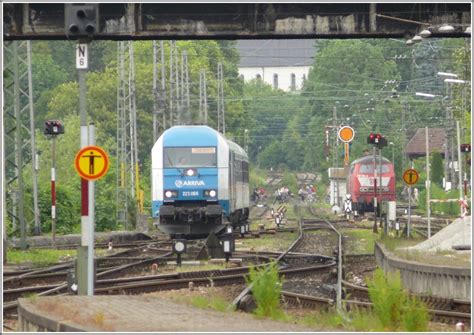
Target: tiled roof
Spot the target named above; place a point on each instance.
(417, 144)
(265, 53)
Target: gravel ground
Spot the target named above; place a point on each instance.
(321, 242)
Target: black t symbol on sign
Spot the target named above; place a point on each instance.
(91, 161)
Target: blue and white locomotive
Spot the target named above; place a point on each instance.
(200, 181)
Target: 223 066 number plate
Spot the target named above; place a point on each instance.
(190, 193)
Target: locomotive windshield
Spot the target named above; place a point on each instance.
(190, 157)
(369, 168)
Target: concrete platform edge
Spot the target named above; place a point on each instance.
(442, 281)
(29, 321)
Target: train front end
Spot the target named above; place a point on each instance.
(185, 177)
(361, 183)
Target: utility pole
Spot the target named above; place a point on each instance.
(458, 136)
(428, 183)
(336, 155)
(159, 90)
(133, 134)
(123, 138)
(174, 97)
(375, 191)
(202, 97)
(19, 130)
(185, 102)
(220, 99)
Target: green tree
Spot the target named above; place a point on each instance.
(437, 168)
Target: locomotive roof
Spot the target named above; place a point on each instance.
(190, 136)
(178, 136)
(369, 159)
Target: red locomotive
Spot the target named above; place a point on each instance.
(360, 183)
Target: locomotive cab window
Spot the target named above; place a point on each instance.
(369, 168)
(190, 157)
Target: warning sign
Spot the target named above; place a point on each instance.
(91, 162)
(410, 176)
(346, 134)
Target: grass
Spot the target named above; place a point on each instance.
(38, 257)
(277, 242)
(359, 241)
(216, 303)
(201, 267)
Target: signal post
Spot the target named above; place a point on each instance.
(81, 23)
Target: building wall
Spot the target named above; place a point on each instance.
(284, 75)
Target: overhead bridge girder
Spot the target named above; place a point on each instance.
(136, 21)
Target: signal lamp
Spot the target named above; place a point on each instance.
(81, 20)
(53, 127)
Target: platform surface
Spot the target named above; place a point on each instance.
(143, 314)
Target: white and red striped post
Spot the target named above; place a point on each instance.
(53, 189)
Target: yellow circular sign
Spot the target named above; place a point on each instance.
(91, 162)
(346, 134)
(410, 176)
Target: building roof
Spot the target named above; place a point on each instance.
(417, 144)
(265, 53)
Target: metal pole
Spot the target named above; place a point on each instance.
(82, 250)
(18, 149)
(381, 189)
(36, 211)
(90, 250)
(458, 135)
(375, 230)
(409, 206)
(428, 182)
(53, 189)
(336, 151)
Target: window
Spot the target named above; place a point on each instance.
(293, 82)
(275, 81)
(259, 77)
(185, 157)
(369, 168)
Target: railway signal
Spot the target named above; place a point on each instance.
(81, 19)
(377, 139)
(465, 147)
(53, 128)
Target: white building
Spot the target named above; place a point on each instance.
(284, 64)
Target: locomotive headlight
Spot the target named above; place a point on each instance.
(210, 193)
(170, 194)
(190, 172)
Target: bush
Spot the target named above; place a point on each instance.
(393, 307)
(415, 316)
(388, 298)
(266, 290)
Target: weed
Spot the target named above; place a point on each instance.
(415, 316)
(215, 303)
(99, 318)
(32, 297)
(324, 319)
(385, 291)
(266, 289)
(392, 306)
